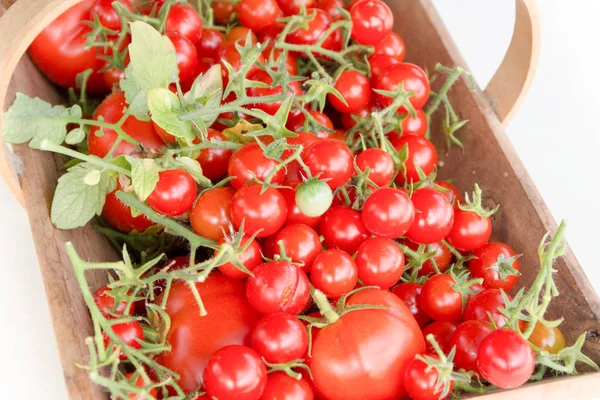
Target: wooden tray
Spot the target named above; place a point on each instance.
(491, 161)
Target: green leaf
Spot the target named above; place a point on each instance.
(207, 92)
(144, 176)
(193, 167)
(77, 200)
(76, 136)
(165, 108)
(34, 119)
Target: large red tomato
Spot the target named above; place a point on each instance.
(194, 338)
(364, 353)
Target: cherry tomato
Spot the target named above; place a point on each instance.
(295, 216)
(174, 193)
(467, 338)
(451, 193)
(249, 162)
(490, 262)
(223, 10)
(334, 273)
(279, 338)
(106, 303)
(185, 20)
(380, 262)
(296, 123)
(505, 359)
(230, 54)
(112, 77)
(314, 198)
(434, 215)
(291, 62)
(470, 231)
(293, 7)
(410, 293)
(439, 300)
(250, 258)
(391, 45)
(281, 386)
(388, 213)
(421, 153)
(379, 64)
(301, 244)
(130, 333)
(235, 372)
(211, 215)
(61, 53)
(271, 107)
(107, 15)
(442, 257)
(262, 213)
(415, 126)
(379, 163)
(278, 287)
(332, 7)
(442, 332)
(214, 161)
(546, 338)
(139, 382)
(210, 44)
(331, 159)
(228, 321)
(118, 215)
(413, 79)
(187, 56)
(239, 34)
(372, 21)
(355, 90)
(363, 354)
(483, 304)
(343, 228)
(258, 14)
(111, 111)
(315, 31)
(422, 382)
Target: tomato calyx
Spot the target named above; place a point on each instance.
(464, 285)
(416, 259)
(288, 368)
(474, 205)
(504, 266)
(564, 361)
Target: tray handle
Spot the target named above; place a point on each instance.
(26, 18)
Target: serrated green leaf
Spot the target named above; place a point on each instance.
(92, 178)
(165, 108)
(75, 201)
(134, 95)
(144, 176)
(34, 119)
(75, 136)
(207, 92)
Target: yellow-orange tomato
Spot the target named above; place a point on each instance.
(548, 339)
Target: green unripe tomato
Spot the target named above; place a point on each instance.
(313, 198)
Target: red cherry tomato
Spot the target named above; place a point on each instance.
(278, 287)
(250, 258)
(111, 111)
(439, 300)
(296, 123)
(295, 216)
(331, 159)
(421, 381)
(262, 213)
(210, 44)
(388, 213)
(174, 193)
(279, 338)
(415, 126)
(451, 193)
(214, 162)
(185, 20)
(391, 45)
(281, 386)
(315, 31)
(107, 15)
(442, 257)
(249, 162)
(332, 7)
(505, 359)
(410, 293)
(223, 10)
(379, 64)
(118, 215)
(379, 163)
(106, 303)
(235, 372)
(334, 273)
(130, 333)
(372, 20)
(187, 56)
(230, 54)
(271, 107)
(421, 153)
(293, 7)
(301, 244)
(211, 215)
(442, 332)
(470, 231)
(433, 216)
(291, 61)
(343, 228)
(348, 120)
(413, 79)
(380, 262)
(355, 90)
(258, 14)
(467, 338)
(490, 261)
(239, 34)
(485, 304)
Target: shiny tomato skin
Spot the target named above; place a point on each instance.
(391, 45)
(343, 228)
(415, 126)
(361, 355)
(211, 215)
(174, 193)
(107, 15)
(214, 162)
(485, 258)
(434, 216)
(413, 79)
(296, 123)
(380, 263)
(409, 293)
(372, 20)
(421, 153)
(442, 332)
(295, 216)
(546, 338)
(293, 7)
(250, 258)
(348, 120)
(451, 192)
(421, 381)
(129, 332)
(235, 372)
(332, 159)
(187, 56)
(111, 111)
(388, 213)
(185, 20)
(118, 215)
(505, 359)
(229, 320)
(355, 90)
(60, 52)
(210, 44)
(249, 162)
(280, 386)
(223, 10)
(332, 7)
(379, 64)
(439, 300)
(278, 287)
(467, 338)
(442, 257)
(262, 213)
(279, 338)
(258, 14)
(334, 273)
(485, 303)
(271, 107)
(379, 163)
(470, 231)
(316, 28)
(301, 244)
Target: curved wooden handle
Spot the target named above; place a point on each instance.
(510, 83)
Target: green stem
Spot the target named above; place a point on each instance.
(55, 148)
(324, 307)
(443, 92)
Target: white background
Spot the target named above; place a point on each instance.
(556, 134)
